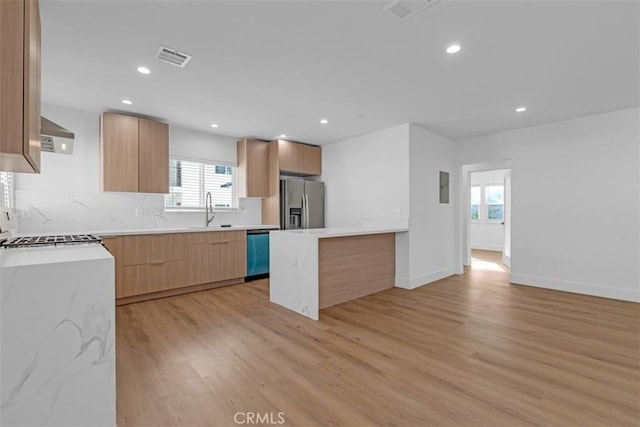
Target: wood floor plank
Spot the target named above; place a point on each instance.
(469, 350)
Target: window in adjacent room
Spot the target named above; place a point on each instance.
(191, 180)
(495, 202)
(487, 203)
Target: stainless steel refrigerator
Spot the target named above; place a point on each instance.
(301, 204)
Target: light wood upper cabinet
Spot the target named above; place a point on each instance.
(135, 154)
(301, 159)
(20, 85)
(253, 168)
(153, 156)
(271, 204)
(119, 153)
(288, 158)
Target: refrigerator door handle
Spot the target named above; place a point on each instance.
(306, 210)
(303, 214)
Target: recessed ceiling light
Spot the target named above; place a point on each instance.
(213, 125)
(282, 136)
(454, 48)
(126, 101)
(521, 109)
(324, 121)
(144, 70)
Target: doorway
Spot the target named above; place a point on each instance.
(488, 207)
(486, 210)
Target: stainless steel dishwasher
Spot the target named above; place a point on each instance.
(257, 254)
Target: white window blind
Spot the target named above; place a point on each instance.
(7, 181)
(191, 180)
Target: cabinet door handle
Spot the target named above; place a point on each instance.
(218, 243)
(157, 263)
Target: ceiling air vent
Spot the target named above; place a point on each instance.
(405, 9)
(173, 57)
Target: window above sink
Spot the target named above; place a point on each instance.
(190, 180)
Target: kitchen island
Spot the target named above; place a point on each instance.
(57, 336)
(317, 268)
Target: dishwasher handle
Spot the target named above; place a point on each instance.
(260, 231)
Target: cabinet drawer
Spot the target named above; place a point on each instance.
(159, 276)
(216, 261)
(217, 236)
(153, 248)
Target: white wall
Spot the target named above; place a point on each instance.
(575, 207)
(487, 235)
(367, 179)
(431, 224)
(66, 196)
(391, 177)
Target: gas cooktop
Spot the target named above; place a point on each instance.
(35, 241)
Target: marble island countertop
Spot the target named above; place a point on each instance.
(27, 256)
(321, 233)
(58, 336)
(296, 256)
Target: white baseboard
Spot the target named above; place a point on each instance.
(576, 287)
(403, 283)
(425, 279)
(497, 248)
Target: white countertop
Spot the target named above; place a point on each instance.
(322, 233)
(17, 257)
(109, 233)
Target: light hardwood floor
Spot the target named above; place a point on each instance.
(467, 350)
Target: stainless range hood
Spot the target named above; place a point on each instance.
(55, 138)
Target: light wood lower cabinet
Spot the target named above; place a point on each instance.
(114, 246)
(216, 261)
(217, 256)
(156, 265)
(154, 248)
(154, 277)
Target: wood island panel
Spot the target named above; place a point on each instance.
(354, 266)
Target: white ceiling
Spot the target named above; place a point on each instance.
(262, 68)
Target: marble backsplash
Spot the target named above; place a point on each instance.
(60, 212)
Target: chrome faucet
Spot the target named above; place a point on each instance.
(208, 209)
